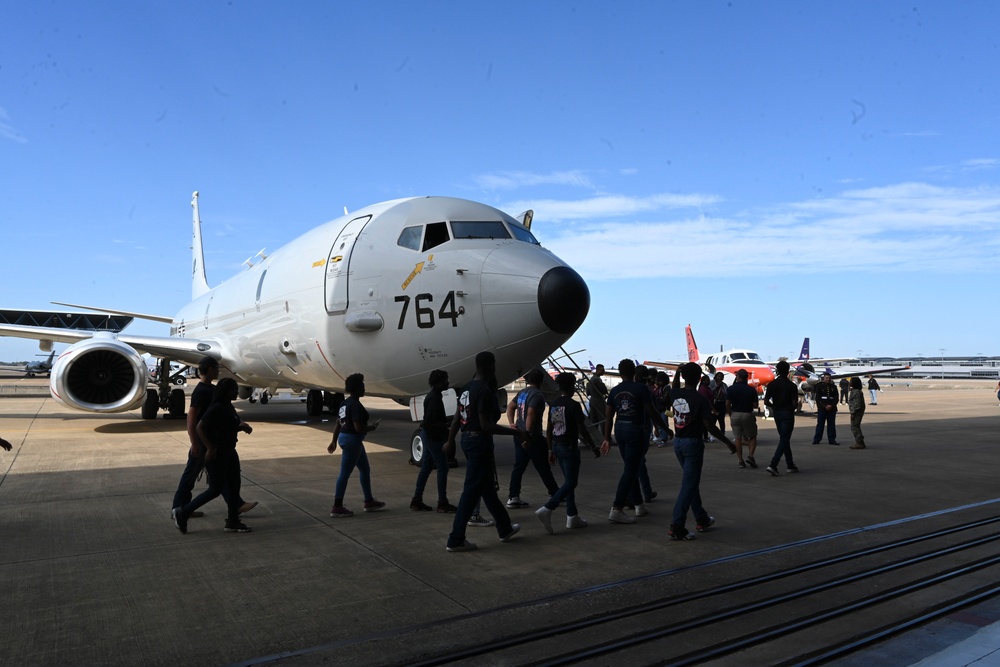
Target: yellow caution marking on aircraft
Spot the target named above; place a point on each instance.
(413, 274)
(319, 263)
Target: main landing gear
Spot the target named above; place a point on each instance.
(171, 400)
(317, 400)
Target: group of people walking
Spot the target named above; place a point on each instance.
(635, 414)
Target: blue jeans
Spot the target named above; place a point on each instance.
(188, 478)
(645, 486)
(568, 455)
(784, 421)
(874, 393)
(433, 457)
(353, 455)
(829, 418)
(223, 479)
(537, 453)
(633, 441)
(691, 455)
(480, 483)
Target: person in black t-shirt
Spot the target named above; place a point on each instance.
(692, 418)
(478, 412)
(201, 398)
(566, 424)
(434, 432)
(782, 396)
(218, 431)
(630, 405)
(525, 413)
(349, 432)
(741, 403)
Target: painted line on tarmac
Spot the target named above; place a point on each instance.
(726, 559)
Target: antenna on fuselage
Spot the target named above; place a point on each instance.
(249, 261)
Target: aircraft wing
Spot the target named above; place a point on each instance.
(190, 350)
(854, 372)
(111, 311)
(668, 365)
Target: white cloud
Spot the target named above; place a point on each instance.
(8, 131)
(608, 206)
(509, 180)
(905, 227)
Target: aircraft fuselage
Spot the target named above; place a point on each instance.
(394, 290)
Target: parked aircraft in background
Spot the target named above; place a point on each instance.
(38, 367)
(33, 368)
(808, 377)
(760, 374)
(393, 291)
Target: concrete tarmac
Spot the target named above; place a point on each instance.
(93, 571)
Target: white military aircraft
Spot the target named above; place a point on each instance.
(394, 291)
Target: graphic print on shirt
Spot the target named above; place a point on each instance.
(682, 413)
(557, 415)
(342, 415)
(625, 405)
(463, 408)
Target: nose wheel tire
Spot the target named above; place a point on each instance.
(417, 451)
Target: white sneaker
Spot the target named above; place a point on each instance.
(640, 510)
(516, 502)
(576, 521)
(544, 515)
(618, 516)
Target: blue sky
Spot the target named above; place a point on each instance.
(763, 171)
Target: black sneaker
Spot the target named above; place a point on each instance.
(238, 527)
(751, 462)
(793, 468)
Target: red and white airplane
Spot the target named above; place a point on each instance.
(761, 372)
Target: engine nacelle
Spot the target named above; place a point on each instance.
(100, 374)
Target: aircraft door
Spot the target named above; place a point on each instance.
(338, 266)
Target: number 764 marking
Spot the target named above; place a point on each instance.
(423, 310)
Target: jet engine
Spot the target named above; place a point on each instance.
(100, 374)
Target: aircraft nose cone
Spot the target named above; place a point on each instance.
(563, 299)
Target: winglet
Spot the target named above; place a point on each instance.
(692, 346)
(199, 283)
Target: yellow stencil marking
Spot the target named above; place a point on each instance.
(413, 274)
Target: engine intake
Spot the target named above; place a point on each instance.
(101, 374)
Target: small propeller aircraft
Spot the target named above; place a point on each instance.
(761, 372)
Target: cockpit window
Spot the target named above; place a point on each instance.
(479, 230)
(410, 238)
(739, 356)
(437, 233)
(521, 233)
